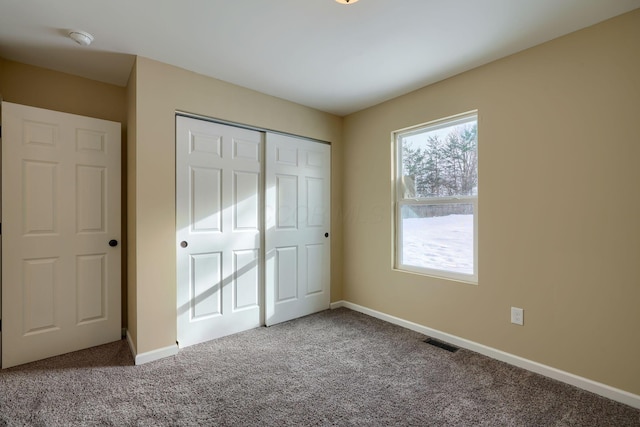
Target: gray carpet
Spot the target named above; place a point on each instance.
(333, 368)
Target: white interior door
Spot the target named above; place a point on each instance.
(60, 210)
(219, 222)
(297, 227)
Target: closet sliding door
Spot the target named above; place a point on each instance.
(298, 223)
(219, 223)
(229, 281)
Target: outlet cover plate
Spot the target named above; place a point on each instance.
(517, 316)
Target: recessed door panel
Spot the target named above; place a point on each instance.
(39, 293)
(91, 285)
(246, 150)
(315, 159)
(286, 273)
(246, 201)
(90, 199)
(287, 201)
(286, 155)
(39, 133)
(206, 199)
(39, 196)
(315, 264)
(246, 279)
(91, 141)
(200, 143)
(315, 202)
(206, 292)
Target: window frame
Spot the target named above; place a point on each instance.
(399, 201)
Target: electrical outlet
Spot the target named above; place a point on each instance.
(517, 316)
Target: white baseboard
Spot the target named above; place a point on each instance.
(548, 371)
(337, 304)
(150, 356)
(156, 354)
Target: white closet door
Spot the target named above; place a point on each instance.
(60, 210)
(219, 221)
(297, 227)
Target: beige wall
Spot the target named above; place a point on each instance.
(39, 87)
(559, 206)
(160, 90)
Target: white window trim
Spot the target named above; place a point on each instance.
(399, 201)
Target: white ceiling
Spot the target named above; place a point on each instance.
(336, 58)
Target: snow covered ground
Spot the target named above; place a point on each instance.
(442, 243)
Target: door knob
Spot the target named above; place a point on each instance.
(184, 244)
(326, 234)
(113, 243)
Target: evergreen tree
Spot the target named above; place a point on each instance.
(444, 168)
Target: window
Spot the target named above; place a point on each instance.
(436, 204)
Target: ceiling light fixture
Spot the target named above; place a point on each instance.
(346, 1)
(81, 37)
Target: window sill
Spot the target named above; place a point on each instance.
(436, 274)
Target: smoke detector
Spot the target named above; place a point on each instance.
(81, 37)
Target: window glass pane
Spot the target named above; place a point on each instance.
(438, 237)
(440, 161)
